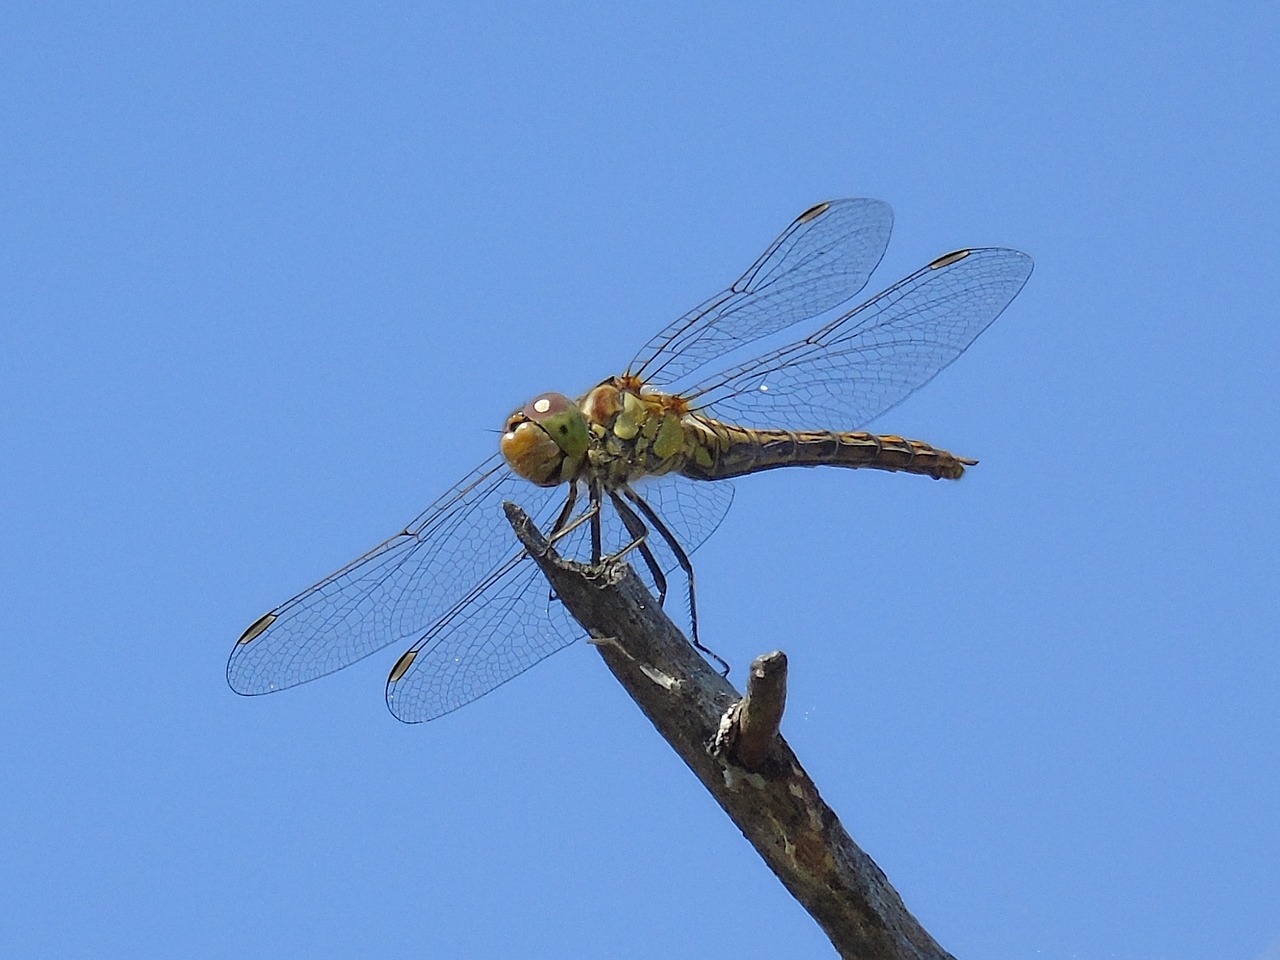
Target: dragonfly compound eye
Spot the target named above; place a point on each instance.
(546, 440)
(562, 420)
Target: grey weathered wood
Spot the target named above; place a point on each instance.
(776, 805)
(750, 727)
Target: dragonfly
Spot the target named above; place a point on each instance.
(644, 462)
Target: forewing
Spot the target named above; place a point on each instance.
(396, 590)
(875, 356)
(822, 259)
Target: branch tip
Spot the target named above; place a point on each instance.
(527, 533)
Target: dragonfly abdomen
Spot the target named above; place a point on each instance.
(727, 451)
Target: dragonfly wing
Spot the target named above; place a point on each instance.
(691, 509)
(876, 355)
(822, 259)
(510, 620)
(396, 590)
(503, 627)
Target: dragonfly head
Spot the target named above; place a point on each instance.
(546, 440)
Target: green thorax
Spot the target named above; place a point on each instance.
(633, 433)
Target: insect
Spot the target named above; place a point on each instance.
(643, 461)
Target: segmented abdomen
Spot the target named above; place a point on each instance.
(721, 451)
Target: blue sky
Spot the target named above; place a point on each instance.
(273, 275)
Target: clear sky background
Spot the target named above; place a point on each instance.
(273, 274)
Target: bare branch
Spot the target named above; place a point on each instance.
(775, 805)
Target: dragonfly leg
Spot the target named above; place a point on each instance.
(562, 528)
(563, 516)
(562, 525)
(682, 558)
(635, 526)
(597, 496)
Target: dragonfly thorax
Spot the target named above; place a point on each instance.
(617, 431)
(635, 432)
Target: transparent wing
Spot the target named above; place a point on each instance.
(691, 509)
(456, 579)
(504, 626)
(824, 258)
(509, 621)
(396, 590)
(876, 355)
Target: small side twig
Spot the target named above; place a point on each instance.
(749, 728)
(776, 806)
